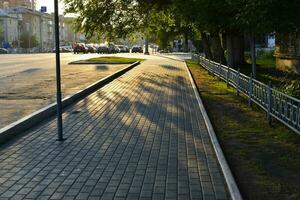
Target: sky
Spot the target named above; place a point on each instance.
(49, 4)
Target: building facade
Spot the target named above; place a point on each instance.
(9, 29)
(24, 27)
(30, 4)
(47, 32)
(29, 24)
(70, 36)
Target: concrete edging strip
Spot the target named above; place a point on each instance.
(29, 121)
(83, 62)
(231, 184)
(230, 181)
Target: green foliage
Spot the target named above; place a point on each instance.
(260, 156)
(28, 40)
(111, 19)
(1, 33)
(161, 27)
(158, 19)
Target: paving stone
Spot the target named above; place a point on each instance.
(142, 136)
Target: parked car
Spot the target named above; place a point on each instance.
(80, 48)
(117, 49)
(103, 48)
(127, 49)
(66, 49)
(3, 51)
(137, 49)
(123, 49)
(63, 49)
(91, 48)
(112, 48)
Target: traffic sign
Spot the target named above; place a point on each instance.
(43, 9)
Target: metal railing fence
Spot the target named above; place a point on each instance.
(276, 104)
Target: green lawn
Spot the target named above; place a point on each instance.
(265, 160)
(114, 59)
(286, 82)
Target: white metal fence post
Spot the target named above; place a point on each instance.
(276, 104)
(269, 103)
(250, 90)
(227, 76)
(238, 83)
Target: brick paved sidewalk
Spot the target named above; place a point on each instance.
(140, 137)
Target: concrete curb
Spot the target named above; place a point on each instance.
(171, 58)
(28, 122)
(230, 181)
(83, 62)
(231, 184)
(167, 57)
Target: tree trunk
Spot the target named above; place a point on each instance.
(217, 49)
(146, 46)
(186, 43)
(206, 46)
(229, 50)
(235, 49)
(253, 56)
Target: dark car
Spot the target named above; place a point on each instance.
(3, 51)
(127, 49)
(103, 48)
(137, 49)
(123, 49)
(112, 48)
(80, 48)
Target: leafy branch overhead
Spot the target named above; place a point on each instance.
(120, 18)
(112, 19)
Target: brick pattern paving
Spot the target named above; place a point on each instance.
(140, 137)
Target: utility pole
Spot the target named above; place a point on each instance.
(58, 78)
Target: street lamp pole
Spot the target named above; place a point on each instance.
(58, 79)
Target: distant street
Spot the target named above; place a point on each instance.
(27, 81)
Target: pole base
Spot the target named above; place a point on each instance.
(147, 53)
(61, 139)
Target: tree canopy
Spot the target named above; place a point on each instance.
(121, 17)
(28, 40)
(162, 20)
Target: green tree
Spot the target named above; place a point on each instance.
(28, 40)
(1, 34)
(222, 24)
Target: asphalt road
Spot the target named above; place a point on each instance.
(27, 81)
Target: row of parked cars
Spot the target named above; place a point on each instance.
(109, 48)
(94, 48)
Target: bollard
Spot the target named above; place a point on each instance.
(238, 83)
(269, 95)
(250, 90)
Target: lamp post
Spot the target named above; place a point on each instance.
(58, 79)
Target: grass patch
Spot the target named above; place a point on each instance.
(114, 59)
(286, 82)
(265, 160)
